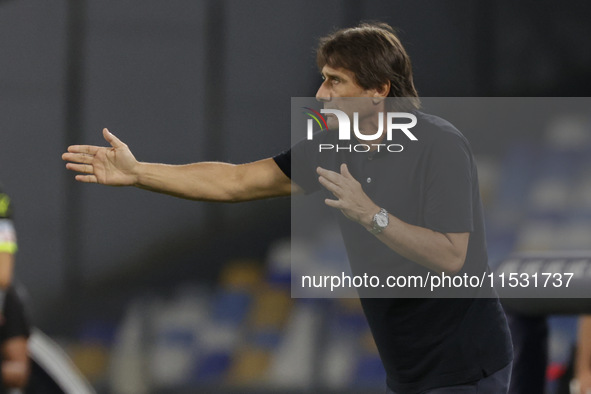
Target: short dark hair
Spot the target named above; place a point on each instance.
(373, 52)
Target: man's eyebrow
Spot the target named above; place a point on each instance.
(331, 75)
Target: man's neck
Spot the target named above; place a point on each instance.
(370, 127)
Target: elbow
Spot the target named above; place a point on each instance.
(455, 264)
(454, 267)
(454, 252)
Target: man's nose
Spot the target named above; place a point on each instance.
(323, 93)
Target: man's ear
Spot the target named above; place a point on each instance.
(381, 93)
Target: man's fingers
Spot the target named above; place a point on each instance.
(86, 149)
(332, 176)
(87, 178)
(78, 157)
(328, 185)
(82, 168)
(332, 203)
(111, 139)
(345, 171)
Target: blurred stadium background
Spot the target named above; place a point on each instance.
(150, 294)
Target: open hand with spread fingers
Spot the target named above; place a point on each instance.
(114, 166)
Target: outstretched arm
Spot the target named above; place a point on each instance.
(205, 181)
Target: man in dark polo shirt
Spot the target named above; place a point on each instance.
(405, 213)
(426, 342)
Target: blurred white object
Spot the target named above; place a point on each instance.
(54, 361)
(293, 362)
(127, 370)
(338, 363)
(176, 328)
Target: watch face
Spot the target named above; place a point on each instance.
(382, 220)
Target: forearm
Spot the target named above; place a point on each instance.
(206, 181)
(432, 249)
(215, 181)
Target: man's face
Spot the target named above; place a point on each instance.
(339, 82)
(339, 90)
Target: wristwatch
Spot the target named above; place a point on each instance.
(380, 221)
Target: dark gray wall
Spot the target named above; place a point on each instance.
(32, 64)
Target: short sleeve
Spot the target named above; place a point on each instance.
(450, 185)
(283, 161)
(299, 164)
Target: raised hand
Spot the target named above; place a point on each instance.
(351, 199)
(115, 165)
